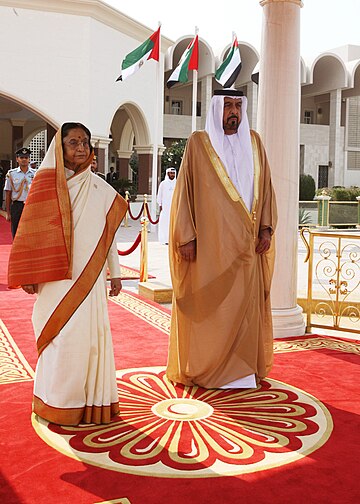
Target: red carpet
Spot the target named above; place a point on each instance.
(291, 441)
(128, 273)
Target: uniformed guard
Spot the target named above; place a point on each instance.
(17, 185)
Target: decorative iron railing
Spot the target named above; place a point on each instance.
(333, 290)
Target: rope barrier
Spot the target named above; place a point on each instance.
(133, 246)
(149, 216)
(131, 215)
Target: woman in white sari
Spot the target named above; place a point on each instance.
(63, 247)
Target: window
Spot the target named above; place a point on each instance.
(309, 117)
(323, 176)
(176, 107)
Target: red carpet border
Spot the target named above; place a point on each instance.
(291, 440)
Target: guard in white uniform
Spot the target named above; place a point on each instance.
(17, 185)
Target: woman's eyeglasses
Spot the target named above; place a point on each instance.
(75, 143)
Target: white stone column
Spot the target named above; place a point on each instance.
(206, 94)
(279, 126)
(336, 174)
(252, 108)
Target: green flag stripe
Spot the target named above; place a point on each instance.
(183, 75)
(224, 64)
(137, 54)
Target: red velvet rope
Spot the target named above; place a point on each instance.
(149, 217)
(131, 215)
(132, 248)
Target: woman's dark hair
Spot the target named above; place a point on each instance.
(66, 127)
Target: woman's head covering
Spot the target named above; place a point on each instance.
(235, 151)
(42, 248)
(66, 127)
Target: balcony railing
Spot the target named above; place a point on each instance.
(326, 213)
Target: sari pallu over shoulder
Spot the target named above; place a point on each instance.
(87, 278)
(43, 252)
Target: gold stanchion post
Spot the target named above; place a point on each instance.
(145, 206)
(144, 250)
(127, 212)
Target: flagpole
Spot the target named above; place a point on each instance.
(194, 94)
(154, 176)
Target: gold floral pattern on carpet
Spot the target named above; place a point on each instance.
(144, 310)
(13, 365)
(317, 343)
(170, 430)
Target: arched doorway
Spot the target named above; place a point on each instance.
(21, 125)
(130, 149)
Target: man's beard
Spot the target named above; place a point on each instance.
(232, 124)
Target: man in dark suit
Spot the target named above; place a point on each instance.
(112, 175)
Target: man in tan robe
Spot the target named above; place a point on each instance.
(221, 254)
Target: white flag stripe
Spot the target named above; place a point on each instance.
(126, 72)
(231, 67)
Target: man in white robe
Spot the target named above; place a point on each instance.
(164, 199)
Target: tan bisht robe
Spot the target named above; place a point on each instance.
(221, 326)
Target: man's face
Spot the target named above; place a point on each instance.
(94, 165)
(171, 175)
(231, 115)
(23, 161)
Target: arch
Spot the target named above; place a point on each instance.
(206, 55)
(30, 107)
(327, 72)
(129, 116)
(354, 79)
(127, 137)
(32, 134)
(303, 71)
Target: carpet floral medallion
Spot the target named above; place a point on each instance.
(169, 430)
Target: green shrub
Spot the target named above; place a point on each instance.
(172, 156)
(121, 185)
(304, 217)
(306, 188)
(340, 193)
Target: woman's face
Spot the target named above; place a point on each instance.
(76, 148)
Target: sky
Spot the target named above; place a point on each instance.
(325, 24)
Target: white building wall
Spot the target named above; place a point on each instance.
(315, 138)
(69, 69)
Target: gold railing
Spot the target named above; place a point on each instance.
(333, 291)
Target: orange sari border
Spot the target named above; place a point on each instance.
(83, 285)
(46, 220)
(74, 416)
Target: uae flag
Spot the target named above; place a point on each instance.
(188, 61)
(255, 74)
(135, 60)
(230, 68)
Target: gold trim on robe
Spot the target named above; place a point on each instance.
(221, 327)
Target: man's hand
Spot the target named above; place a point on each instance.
(30, 289)
(8, 216)
(188, 251)
(264, 241)
(115, 286)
